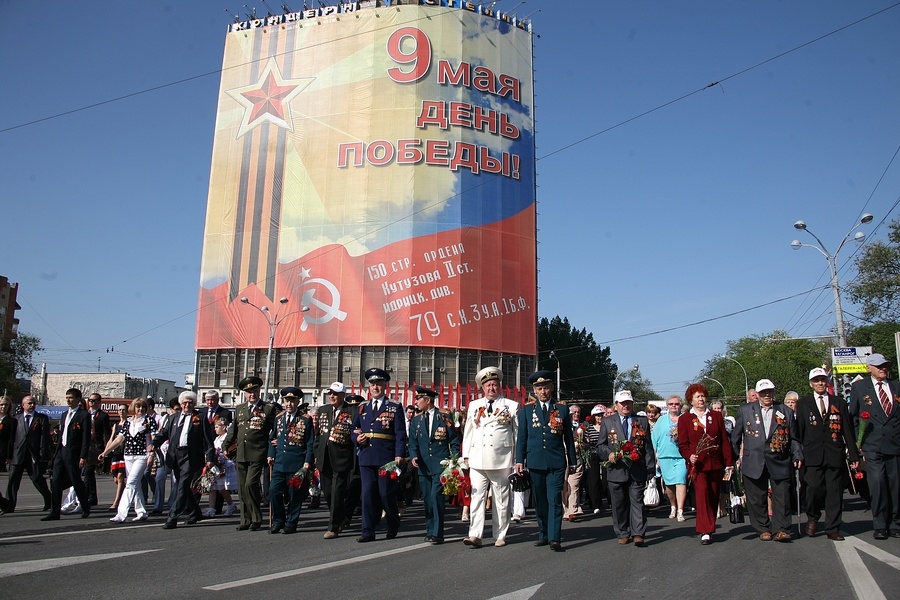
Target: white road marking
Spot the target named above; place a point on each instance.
(523, 594)
(311, 569)
(35, 536)
(30, 566)
(864, 585)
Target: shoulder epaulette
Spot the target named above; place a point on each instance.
(530, 402)
(281, 413)
(560, 403)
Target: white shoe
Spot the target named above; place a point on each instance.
(596, 511)
(516, 518)
(209, 513)
(672, 512)
(229, 510)
(142, 517)
(117, 519)
(681, 516)
(71, 510)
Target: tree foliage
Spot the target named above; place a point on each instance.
(640, 387)
(586, 371)
(776, 356)
(877, 286)
(20, 361)
(878, 335)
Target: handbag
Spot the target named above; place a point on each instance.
(735, 506)
(651, 494)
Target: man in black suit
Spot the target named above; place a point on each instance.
(101, 430)
(879, 398)
(213, 410)
(71, 456)
(334, 455)
(190, 446)
(29, 452)
(826, 433)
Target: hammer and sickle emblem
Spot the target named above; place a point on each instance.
(330, 311)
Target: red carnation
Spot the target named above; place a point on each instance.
(858, 475)
(864, 414)
(455, 472)
(627, 447)
(443, 480)
(635, 455)
(394, 475)
(383, 473)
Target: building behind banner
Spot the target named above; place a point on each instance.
(372, 200)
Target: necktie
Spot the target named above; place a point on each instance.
(66, 428)
(885, 401)
(544, 410)
(27, 422)
(375, 406)
(822, 405)
(626, 425)
(182, 432)
(288, 420)
(490, 407)
(428, 422)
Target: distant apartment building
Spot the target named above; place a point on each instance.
(50, 388)
(9, 324)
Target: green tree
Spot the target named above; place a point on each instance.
(776, 356)
(19, 361)
(640, 387)
(878, 335)
(877, 286)
(586, 371)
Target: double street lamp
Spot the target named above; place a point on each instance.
(274, 321)
(832, 265)
(746, 380)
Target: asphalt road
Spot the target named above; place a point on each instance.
(77, 558)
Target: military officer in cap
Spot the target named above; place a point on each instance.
(251, 431)
(290, 450)
(379, 433)
(489, 442)
(335, 454)
(432, 438)
(546, 447)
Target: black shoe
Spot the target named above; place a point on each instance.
(255, 526)
(45, 509)
(193, 520)
(276, 528)
(541, 543)
(365, 538)
(52, 517)
(556, 547)
(881, 534)
(437, 540)
(429, 538)
(85, 513)
(156, 513)
(170, 525)
(390, 535)
(289, 530)
(895, 533)
(243, 527)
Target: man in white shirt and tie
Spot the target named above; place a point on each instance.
(71, 456)
(879, 398)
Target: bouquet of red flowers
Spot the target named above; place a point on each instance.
(299, 479)
(624, 451)
(452, 477)
(391, 470)
(704, 444)
(863, 421)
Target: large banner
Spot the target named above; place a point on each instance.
(376, 169)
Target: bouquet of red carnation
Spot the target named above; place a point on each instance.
(704, 444)
(299, 479)
(391, 470)
(626, 452)
(863, 422)
(452, 477)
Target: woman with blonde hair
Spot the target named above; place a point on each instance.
(668, 457)
(136, 433)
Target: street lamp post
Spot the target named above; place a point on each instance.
(746, 380)
(553, 354)
(724, 393)
(832, 266)
(274, 321)
(633, 369)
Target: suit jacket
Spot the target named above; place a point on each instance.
(777, 451)
(31, 445)
(611, 433)
(824, 440)
(293, 444)
(489, 440)
(432, 444)
(882, 433)
(220, 413)
(101, 429)
(388, 427)
(251, 431)
(545, 442)
(7, 431)
(690, 431)
(199, 441)
(78, 437)
(333, 438)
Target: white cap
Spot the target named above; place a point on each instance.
(624, 396)
(598, 410)
(338, 387)
(764, 384)
(817, 372)
(488, 374)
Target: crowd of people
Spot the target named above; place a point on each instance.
(366, 456)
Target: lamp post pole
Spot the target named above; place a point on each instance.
(273, 321)
(746, 379)
(724, 393)
(553, 354)
(633, 369)
(833, 268)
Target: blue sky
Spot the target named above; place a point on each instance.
(677, 216)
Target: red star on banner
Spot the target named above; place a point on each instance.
(268, 99)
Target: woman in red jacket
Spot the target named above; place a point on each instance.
(705, 446)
